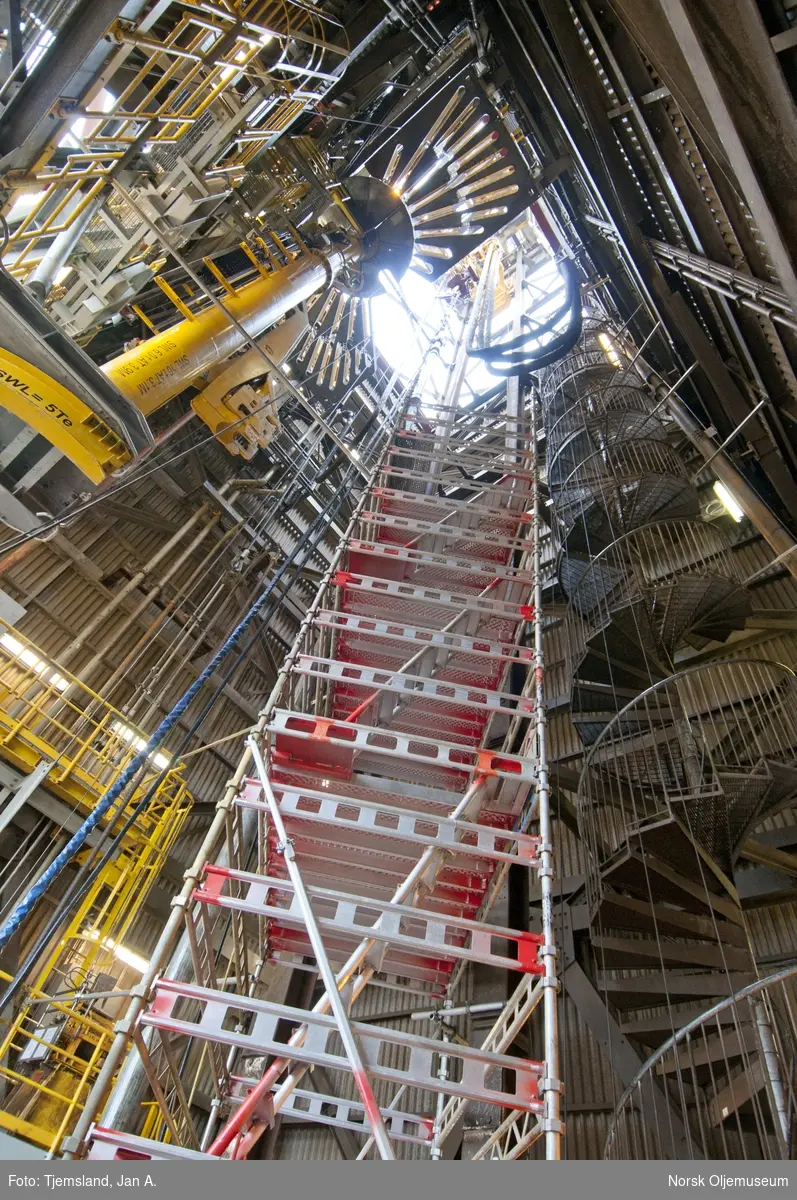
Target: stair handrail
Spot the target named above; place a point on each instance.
(750, 990)
(697, 568)
(588, 828)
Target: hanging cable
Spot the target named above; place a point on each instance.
(522, 355)
(24, 907)
(81, 884)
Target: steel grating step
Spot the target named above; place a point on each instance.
(463, 482)
(413, 686)
(439, 562)
(363, 821)
(409, 525)
(446, 505)
(435, 639)
(389, 593)
(307, 740)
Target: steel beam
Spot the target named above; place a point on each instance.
(626, 1062)
(720, 65)
(50, 81)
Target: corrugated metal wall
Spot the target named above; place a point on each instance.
(66, 582)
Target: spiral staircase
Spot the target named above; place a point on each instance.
(679, 766)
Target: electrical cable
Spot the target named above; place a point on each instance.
(155, 740)
(80, 885)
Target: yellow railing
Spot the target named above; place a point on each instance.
(53, 1048)
(46, 713)
(189, 73)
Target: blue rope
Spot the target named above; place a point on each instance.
(24, 906)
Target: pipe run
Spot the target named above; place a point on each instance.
(153, 372)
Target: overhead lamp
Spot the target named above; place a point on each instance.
(728, 501)
(128, 957)
(29, 659)
(609, 349)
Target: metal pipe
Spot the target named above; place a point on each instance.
(43, 276)
(133, 654)
(152, 373)
(551, 1086)
(123, 1110)
(87, 672)
(774, 1075)
(119, 597)
(74, 1145)
(734, 433)
(464, 1010)
(425, 868)
(336, 1001)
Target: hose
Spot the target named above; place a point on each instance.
(516, 355)
(81, 884)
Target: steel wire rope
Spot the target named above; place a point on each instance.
(23, 907)
(583, 517)
(720, 943)
(675, 678)
(75, 734)
(152, 744)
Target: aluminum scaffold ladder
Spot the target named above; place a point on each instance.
(397, 772)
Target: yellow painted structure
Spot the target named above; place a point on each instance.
(157, 369)
(45, 713)
(65, 420)
(151, 373)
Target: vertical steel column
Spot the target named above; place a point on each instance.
(551, 1086)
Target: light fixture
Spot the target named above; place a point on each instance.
(607, 345)
(128, 957)
(728, 501)
(134, 739)
(29, 659)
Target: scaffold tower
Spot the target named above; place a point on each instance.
(396, 773)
